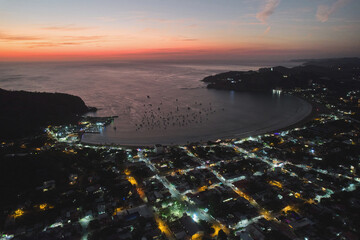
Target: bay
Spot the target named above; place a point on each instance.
(159, 102)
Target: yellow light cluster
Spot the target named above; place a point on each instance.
(117, 210)
(266, 214)
(297, 195)
(70, 151)
(289, 208)
(236, 150)
(45, 206)
(255, 150)
(276, 184)
(132, 180)
(197, 236)
(217, 227)
(203, 188)
(163, 227)
(310, 201)
(18, 213)
(141, 193)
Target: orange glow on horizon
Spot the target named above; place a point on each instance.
(155, 54)
(137, 51)
(143, 30)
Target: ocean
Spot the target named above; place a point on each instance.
(159, 102)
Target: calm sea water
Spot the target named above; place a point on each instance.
(158, 102)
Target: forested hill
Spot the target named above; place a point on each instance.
(339, 74)
(24, 113)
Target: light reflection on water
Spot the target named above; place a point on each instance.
(179, 107)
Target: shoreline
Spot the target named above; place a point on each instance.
(312, 114)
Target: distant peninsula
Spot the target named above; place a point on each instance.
(340, 74)
(25, 113)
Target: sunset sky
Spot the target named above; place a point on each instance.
(178, 29)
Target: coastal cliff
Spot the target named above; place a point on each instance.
(24, 113)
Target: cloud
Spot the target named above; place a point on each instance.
(189, 39)
(106, 19)
(268, 10)
(267, 30)
(67, 41)
(70, 27)
(324, 11)
(41, 41)
(7, 38)
(84, 38)
(185, 39)
(55, 44)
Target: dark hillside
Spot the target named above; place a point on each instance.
(24, 113)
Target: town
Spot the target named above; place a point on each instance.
(297, 183)
(294, 184)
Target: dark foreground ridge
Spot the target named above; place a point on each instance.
(24, 113)
(332, 73)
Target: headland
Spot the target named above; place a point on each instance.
(25, 113)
